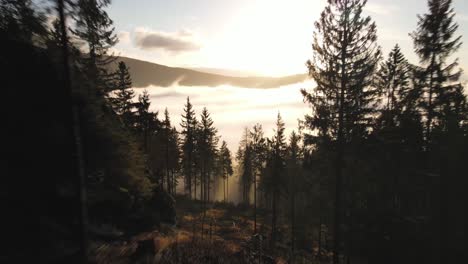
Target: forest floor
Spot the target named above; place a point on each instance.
(223, 233)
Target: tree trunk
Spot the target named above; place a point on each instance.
(293, 216)
(320, 234)
(81, 179)
(273, 220)
(224, 189)
(208, 186)
(169, 181)
(255, 203)
(339, 154)
(429, 105)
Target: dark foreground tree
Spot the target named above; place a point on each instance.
(344, 60)
(434, 42)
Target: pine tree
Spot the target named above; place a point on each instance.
(22, 20)
(95, 28)
(344, 61)
(123, 100)
(444, 106)
(244, 159)
(258, 160)
(189, 125)
(166, 131)
(393, 81)
(225, 166)
(146, 122)
(277, 177)
(293, 166)
(208, 142)
(434, 43)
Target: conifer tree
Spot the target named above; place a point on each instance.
(167, 153)
(443, 102)
(207, 144)
(95, 28)
(345, 57)
(293, 160)
(277, 177)
(435, 41)
(258, 160)
(393, 81)
(123, 100)
(22, 20)
(225, 166)
(244, 159)
(189, 125)
(146, 122)
(174, 157)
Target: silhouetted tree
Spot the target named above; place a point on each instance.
(225, 166)
(434, 43)
(244, 159)
(277, 177)
(207, 144)
(393, 81)
(22, 20)
(95, 28)
(344, 61)
(146, 122)
(258, 157)
(293, 166)
(443, 103)
(123, 100)
(189, 125)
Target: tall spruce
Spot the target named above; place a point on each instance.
(244, 159)
(277, 176)
(258, 160)
(123, 99)
(174, 158)
(146, 122)
(95, 28)
(293, 160)
(345, 57)
(443, 103)
(393, 81)
(208, 142)
(189, 126)
(435, 41)
(225, 166)
(166, 130)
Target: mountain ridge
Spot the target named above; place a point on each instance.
(146, 73)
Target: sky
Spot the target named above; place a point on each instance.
(266, 37)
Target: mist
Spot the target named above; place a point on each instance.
(233, 107)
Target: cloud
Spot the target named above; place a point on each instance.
(380, 9)
(124, 36)
(175, 42)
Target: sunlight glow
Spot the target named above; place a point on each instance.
(268, 37)
(233, 107)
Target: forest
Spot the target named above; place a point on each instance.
(375, 173)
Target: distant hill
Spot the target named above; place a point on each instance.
(226, 72)
(146, 73)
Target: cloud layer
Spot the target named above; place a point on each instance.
(175, 42)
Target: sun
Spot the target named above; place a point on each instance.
(267, 37)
